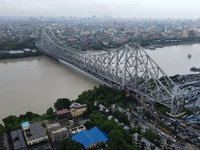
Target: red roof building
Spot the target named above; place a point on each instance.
(62, 115)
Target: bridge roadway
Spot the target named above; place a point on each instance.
(104, 79)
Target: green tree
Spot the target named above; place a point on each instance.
(62, 103)
(151, 136)
(147, 114)
(135, 108)
(121, 117)
(101, 97)
(68, 144)
(110, 98)
(10, 119)
(99, 118)
(109, 125)
(29, 115)
(189, 112)
(116, 132)
(139, 129)
(50, 111)
(89, 125)
(2, 128)
(117, 143)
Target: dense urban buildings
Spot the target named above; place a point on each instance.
(98, 33)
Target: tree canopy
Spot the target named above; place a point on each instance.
(62, 103)
(14, 45)
(68, 144)
(121, 117)
(151, 136)
(13, 122)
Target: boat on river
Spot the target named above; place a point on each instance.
(194, 69)
(189, 56)
(152, 47)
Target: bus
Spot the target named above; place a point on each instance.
(183, 125)
(185, 117)
(172, 120)
(190, 116)
(179, 121)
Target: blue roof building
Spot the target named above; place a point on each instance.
(91, 137)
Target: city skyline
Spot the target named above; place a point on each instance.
(87, 8)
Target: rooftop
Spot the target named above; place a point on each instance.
(53, 125)
(74, 105)
(60, 112)
(101, 107)
(95, 135)
(36, 131)
(81, 106)
(64, 129)
(18, 139)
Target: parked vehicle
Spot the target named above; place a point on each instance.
(191, 116)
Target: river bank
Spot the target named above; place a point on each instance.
(153, 47)
(18, 54)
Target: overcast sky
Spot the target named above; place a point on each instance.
(100, 8)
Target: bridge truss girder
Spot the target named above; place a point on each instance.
(128, 66)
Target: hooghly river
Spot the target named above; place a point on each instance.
(173, 59)
(34, 84)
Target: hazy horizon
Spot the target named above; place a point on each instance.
(116, 8)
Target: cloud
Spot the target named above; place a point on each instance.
(125, 8)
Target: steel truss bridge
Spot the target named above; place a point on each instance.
(128, 67)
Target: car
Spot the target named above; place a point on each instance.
(174, 140)
(162, 133)
(180, 131)
(184, 134)
(154, 112)
(195, 141)
(169, 124)
(163, 120)
(190, 137)
(147, 105)
(127, 109)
